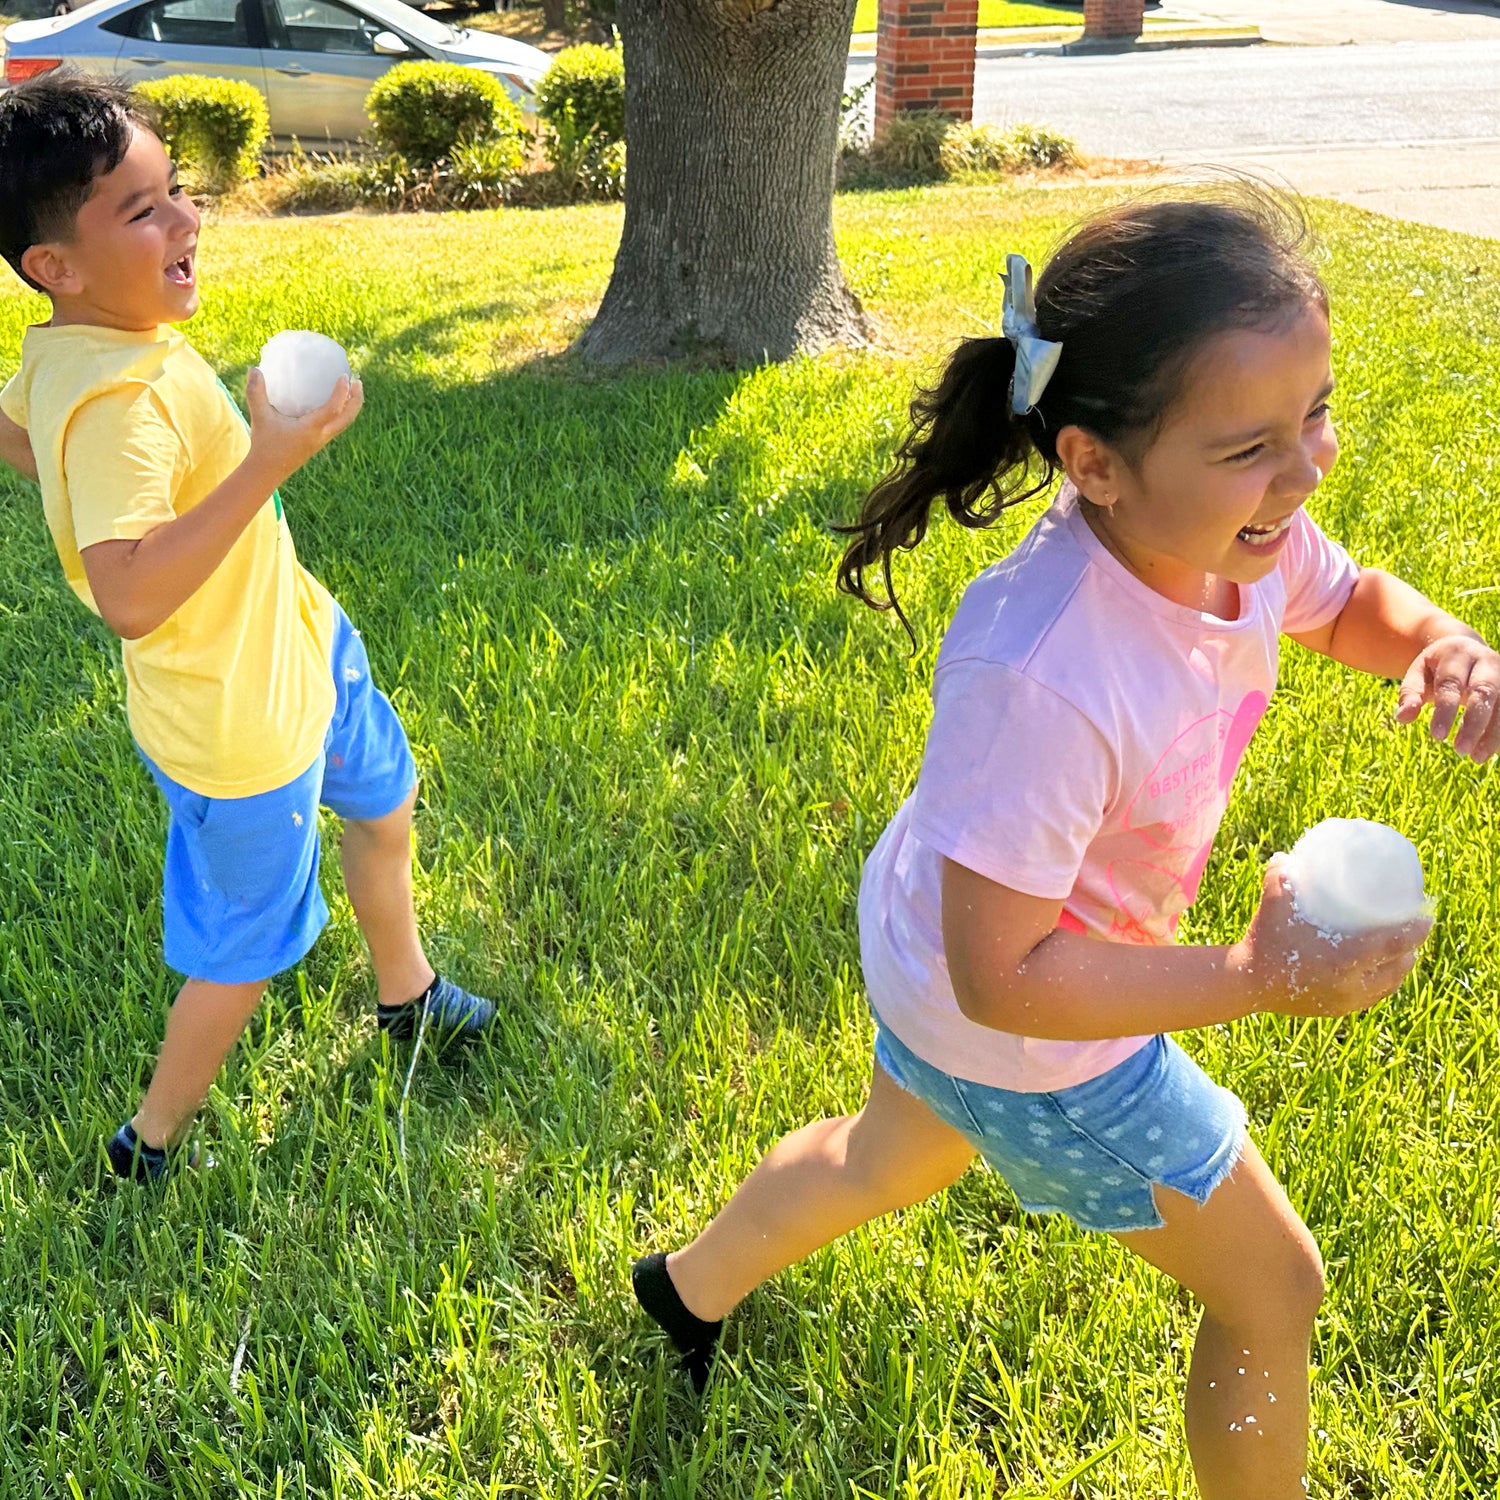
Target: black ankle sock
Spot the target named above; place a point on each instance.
(406, 1011)
(695, 1338)
(130, 1156)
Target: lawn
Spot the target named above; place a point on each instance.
(655, 748)
(992, 13)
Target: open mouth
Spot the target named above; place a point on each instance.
(1267, 534)
(180, 272)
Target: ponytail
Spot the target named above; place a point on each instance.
(967, 448)
(1134, 295)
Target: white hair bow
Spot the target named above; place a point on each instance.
(1036, 357)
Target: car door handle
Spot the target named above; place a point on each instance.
(295, 72)
(146, 62)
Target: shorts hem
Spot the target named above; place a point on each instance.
(245, 971)
(1201, 1193)
(349, 812)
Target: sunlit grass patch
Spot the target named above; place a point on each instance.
(655, 749)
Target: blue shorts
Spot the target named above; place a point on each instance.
(1092, 1151)
(240, 893)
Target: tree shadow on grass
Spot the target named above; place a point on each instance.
(604, 610)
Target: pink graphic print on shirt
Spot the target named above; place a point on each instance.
(1173, 818)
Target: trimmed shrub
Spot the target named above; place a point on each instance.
(589, 83)
(423, 111)
(213, 128)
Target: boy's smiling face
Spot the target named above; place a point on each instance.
(131, 260)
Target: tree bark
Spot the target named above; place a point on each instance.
(731, 128)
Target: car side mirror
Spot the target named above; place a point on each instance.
(388, 44)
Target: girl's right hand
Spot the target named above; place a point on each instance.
(282, 444)
(1298, 971)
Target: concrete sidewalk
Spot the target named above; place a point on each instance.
(1334, 23)
(1454, 187)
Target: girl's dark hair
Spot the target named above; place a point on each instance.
(1132, 295)
(59, 134)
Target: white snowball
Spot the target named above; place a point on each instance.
(1349, 875)
(301, 370)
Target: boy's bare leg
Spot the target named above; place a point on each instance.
(204, 1023)
(815, 1185)
(376, 856)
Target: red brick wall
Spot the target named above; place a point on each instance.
(1104, 18)
(924, 57)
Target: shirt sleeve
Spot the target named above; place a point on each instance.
(120, 459)
(1015, 781)
(1319, 577)
(13, 400)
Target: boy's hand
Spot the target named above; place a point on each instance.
(279, 444)
(1303, 973)
(1453, 673)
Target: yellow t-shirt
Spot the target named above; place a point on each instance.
(233, 694)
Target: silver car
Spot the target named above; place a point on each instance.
(314, 60)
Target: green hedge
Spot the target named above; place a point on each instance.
(423, 111)
(213, 128)
(588, 84)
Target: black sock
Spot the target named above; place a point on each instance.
(130, 1156)
(695, 1339)
(401, 1020)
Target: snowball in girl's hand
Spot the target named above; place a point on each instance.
(1349, 875)
(301, 370)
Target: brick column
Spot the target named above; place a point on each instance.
(1113, 19)
(924, 58)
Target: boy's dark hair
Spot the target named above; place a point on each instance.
(58, 135)
(1132, 295)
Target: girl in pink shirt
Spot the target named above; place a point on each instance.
(1091, 702)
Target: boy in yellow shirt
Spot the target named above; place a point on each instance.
(248, 691)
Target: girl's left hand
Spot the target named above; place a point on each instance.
(1453, 673)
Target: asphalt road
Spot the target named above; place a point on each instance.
(1198, 100)
(1409, 128)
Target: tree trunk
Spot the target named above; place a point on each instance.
(731, 128)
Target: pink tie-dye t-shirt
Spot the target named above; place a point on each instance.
(1085, 733)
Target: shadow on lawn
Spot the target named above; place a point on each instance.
(612, 634)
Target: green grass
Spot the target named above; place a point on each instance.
(992, 13)
(655, 750)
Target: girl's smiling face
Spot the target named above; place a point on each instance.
(1210, 502)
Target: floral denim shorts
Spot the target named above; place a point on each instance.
(1095, 1150)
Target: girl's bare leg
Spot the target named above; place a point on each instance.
(814, 1185)
(1253, 1264)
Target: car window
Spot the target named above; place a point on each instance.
(188, 23)
(322, 26)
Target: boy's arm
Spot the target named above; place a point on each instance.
(15, 447)
(139, 585)
(1389, 629)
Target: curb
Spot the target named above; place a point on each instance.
(1069, 42)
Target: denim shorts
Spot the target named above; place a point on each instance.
(240, 893)
(1092, 1151)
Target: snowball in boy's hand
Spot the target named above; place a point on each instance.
(1349, 875)
(301, 370)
